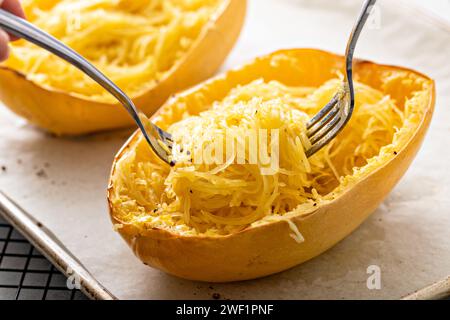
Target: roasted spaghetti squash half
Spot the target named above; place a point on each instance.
(149, 48)
(231, 220)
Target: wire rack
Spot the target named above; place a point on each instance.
(25, 274)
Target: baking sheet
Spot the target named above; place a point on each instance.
(62, 182)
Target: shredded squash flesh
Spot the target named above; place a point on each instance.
(134, 42)
(219, 199)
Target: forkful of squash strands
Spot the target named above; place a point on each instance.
(331, 119)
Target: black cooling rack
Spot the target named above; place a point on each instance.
(25, 274)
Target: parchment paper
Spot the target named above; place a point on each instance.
(62, 182)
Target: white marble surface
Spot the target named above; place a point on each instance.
(62, 181)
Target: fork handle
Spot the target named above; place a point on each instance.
(351, 45)
(23, 29)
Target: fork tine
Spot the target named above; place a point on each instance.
(165, 138)
(332, 128)
(169, 143)
(160, 141)
(327, 136)
(325, 129)
(327, 118)
(323, 112)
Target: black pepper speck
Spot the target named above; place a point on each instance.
(216, 296)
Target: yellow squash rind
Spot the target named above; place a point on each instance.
(268, 248)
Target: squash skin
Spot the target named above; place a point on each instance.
(266, 249)
(62, 113)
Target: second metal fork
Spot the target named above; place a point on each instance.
(330, 120)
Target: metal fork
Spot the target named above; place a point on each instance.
(331, 119)
(160, 141)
